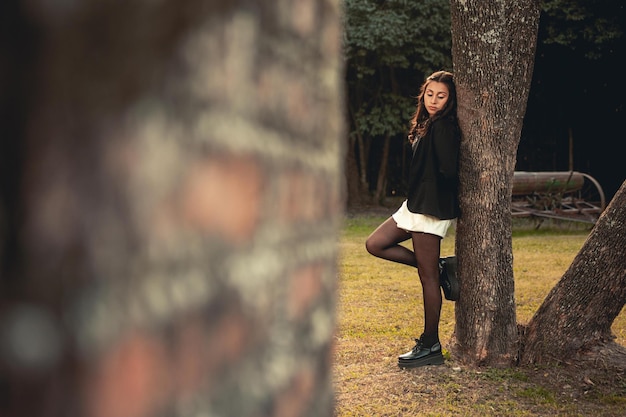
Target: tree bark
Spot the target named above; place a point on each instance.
(356, 167)
(574, 322)
(354, 196)
(493, 48)
(381, 182)
(170, 198)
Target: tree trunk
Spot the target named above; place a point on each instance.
(574, 322)
(356, 166)
(493, 47)
(353, 183)
(170, 198)
(364, 156)
(381, 182)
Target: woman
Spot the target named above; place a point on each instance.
(431, 206)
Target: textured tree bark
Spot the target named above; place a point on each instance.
(170, 197)
(381, 182)
(354, 194)
(493, 47)
(574, 321)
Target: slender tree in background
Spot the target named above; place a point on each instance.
(493, 49)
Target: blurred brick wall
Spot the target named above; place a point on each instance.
(172, 189)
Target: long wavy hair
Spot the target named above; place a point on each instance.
(421, 121)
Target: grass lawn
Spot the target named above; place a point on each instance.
(380, 313)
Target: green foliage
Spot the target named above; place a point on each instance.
(387, 115)
(383, 38)
(590, 26)
(397, 34)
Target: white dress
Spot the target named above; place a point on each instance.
(415, 222)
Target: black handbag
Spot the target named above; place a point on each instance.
(448, 279)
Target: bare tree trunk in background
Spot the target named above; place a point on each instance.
(171, 178)
(493, 48)
(357, 156)
(574, 322)
(354, 188)
(381, 182)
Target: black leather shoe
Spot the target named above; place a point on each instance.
(416, 348)
(421, 356)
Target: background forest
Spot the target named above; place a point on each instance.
(576, 103)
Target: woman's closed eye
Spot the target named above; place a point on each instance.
(439, 96)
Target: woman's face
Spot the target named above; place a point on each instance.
(435, 97)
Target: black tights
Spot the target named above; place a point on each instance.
(384, 243)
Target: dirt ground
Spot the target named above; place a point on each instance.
(375, 386)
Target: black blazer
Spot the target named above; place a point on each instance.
(434, 179)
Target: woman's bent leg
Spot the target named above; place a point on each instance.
(384, 242)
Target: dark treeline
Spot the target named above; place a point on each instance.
(575, 109)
